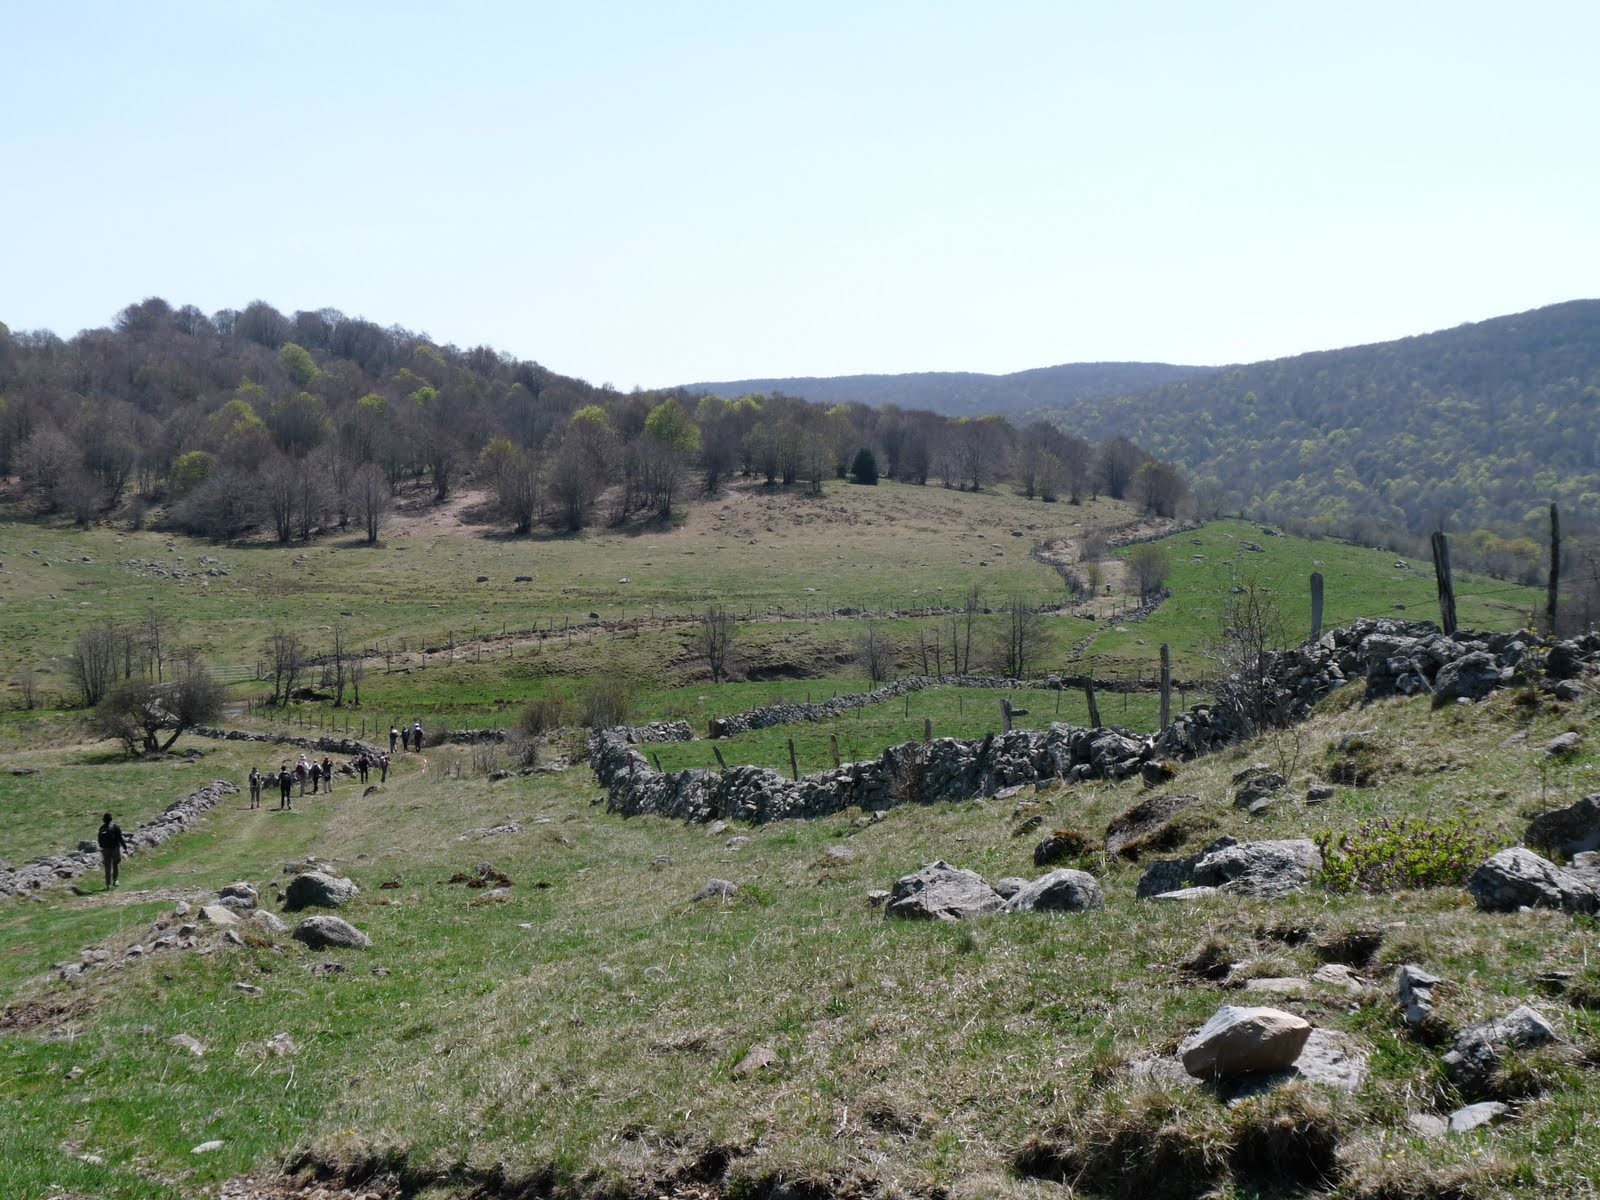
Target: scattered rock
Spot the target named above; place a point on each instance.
(1328, 1059)
(1319, 793)
(249, 989)
(1475, 1116)
(1007, 887)
(316, 889)
(269, 921)
(877, 897)
(322, 932)
(1427, 1125)
(1414, 988)
(758, 1058)
(1340, 976)
(940, 892)
(281, 1045)
(218, 914)
(1279, 986)
(1064, 890)
(238, 895)
(1244, 1041)
(1476, 1055)
(208, 1147)
(1564, 745)
(1570, 830)
(716, 889)
(184, 1042)
(1268, 869)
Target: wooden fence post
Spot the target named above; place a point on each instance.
(833, 738)
(1316, 605)
(1094, 709)
(1005, 715)
(1447, 589)
(927, 730)
(1166, 685)
(794, 763)
(721, 762)
(1555, 571)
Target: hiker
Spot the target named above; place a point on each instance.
(416, 737)
(362, 766)
(383, 766)
(405, 738)
(327, 773)
(255, 788)
(285, 788)
(394, 736)
(316, 778)
(301, 768)
(112, 843)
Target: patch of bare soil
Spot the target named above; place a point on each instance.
(282, 1188)
(40, 1014)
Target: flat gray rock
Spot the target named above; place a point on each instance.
(1519, 878)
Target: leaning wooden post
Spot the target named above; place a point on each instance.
(927, 730)
(1005, 715)
(1166, 685)
(1316, 605)
(794, 763)
(721, 762)
(1447, 590)
(657, 758)
(1555, 570)
(833, 739)
(1094, 709)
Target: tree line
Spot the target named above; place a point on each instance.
(250, 420)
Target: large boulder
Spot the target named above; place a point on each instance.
(1268, 868)
(316, 889)
(1570, 830)
(1244, 1041)
(1470, 677)
(1519, 878)
(1065, 890)
(321, 932)
(940, 892)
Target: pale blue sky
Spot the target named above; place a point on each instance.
(654, 193)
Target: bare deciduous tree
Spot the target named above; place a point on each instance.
(372, 498)
(713, 639)
(286, 659)
(876, 653)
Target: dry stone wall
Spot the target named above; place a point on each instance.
(1394, 657)
(177, 817)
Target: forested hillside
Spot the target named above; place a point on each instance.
(227, 424)
(966, 393)
(1475, 426)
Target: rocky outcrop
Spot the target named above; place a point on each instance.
(1519, 878)
(176, 818)
(1267, 869)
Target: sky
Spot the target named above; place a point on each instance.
(655, 193)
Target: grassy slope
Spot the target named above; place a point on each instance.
(533, 1033)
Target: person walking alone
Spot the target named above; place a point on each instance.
(112, 843)
(255, 788)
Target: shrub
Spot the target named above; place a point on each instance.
(1385, 855)
(605, 700)
(542, 715)
(865, 466)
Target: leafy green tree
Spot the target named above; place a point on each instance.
(298, 364)
(190, 470)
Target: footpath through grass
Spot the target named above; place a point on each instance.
(586, 1026)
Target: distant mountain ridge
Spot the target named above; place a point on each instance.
(969, 393)
(1479, 426)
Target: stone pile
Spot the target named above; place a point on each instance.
(174, 819)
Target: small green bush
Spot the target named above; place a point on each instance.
(865, 466)
(1386, 856)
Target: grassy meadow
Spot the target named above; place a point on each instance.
(590, 1030)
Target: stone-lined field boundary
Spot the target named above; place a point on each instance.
(328, 745)
(176, 818)
(1394, 657)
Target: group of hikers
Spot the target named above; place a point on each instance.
(319, 775)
